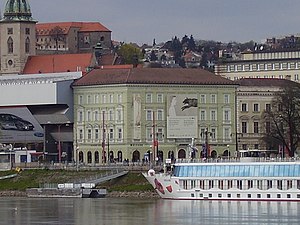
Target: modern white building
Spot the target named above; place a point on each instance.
(36, 112)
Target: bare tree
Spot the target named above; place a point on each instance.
(57, 34)
(282, 120)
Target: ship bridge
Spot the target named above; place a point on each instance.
(288, 169)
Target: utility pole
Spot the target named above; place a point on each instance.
(103, 138)
(154, 137)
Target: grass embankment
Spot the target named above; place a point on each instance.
(33, 178)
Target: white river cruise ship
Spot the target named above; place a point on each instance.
(244, 179)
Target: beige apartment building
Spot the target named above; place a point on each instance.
(254, 96)
(153, 113)
(284, 64)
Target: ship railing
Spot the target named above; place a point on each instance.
(241, 160)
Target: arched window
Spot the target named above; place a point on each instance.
(27, 45)
(10, 45)
(89, 157)
(136, 156)
(81, 156)
(111, 156)
(181, 154)
(120, 159)
(97, 157)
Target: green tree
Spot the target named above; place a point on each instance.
(130, 54)
(282, 120)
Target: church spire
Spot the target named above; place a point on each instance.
(17, 10)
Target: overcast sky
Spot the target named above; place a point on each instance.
(141, 21)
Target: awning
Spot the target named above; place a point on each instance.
(52, 119)
(36, 153)
(62, 136)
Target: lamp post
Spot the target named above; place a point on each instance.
(154, 144)
(59, 144)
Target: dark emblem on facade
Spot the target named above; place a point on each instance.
(189, 102)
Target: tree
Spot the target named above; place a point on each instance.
(57, 34)
(191, 43)
(282, 120)
(153, 56)
(130, 54)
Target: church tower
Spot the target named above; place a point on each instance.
(17, 36)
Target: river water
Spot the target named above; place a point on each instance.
(118, 211)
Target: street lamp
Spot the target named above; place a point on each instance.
(59, 139)
(59, 144)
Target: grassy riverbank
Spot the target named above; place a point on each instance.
(132, 182)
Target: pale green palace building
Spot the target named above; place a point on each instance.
(139, 115)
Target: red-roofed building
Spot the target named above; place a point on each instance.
(72, 37)
(120, 112)
(60, 63)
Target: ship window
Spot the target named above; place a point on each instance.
(288, 195)
(249, 195)
(250, 184)
(289, 184)
(230, 184)
(210, 195)
(211, 184)
(193, 183)
(298, 196)
(201, 195)
(240, 184)
(229, 195)
(221, 184)
(269, 184)
(219, 195)
(268, 196)
(278, 195)
(201, 184)
(259, 184)
(238, 195)
(192, 195)
(258, 195)
(298, 184)
(279, 184)
(185, 184)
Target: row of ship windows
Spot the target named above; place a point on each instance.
(219, 195)
(240, 184)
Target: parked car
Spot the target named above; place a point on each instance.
(12, 122)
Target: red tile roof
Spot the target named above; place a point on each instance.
(151, 76)
(45, 28)
(58, 63)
